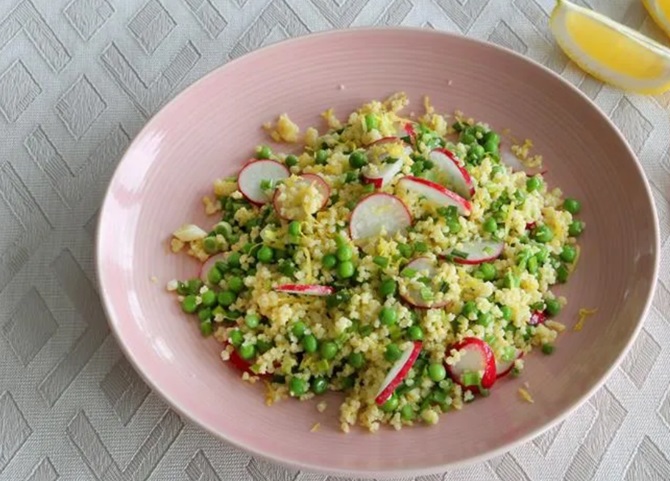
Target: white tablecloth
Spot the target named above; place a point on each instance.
(78, 79)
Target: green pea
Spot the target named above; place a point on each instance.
(299, 329)
(356, 360)
(392, 353)
(469, 308)
(533, 183)
(454, 226)
(488, 271)
(319, 385)
(264, 152)
(420, 247)
(542, 255)
(576, 228)
(543, 233)
(208, 298)
(572, 205)
(491, 136)
(484, 318)
(344, 253)
(371, 122)
(321, 157)
(562, 274)
(415, 333)
(309, 343)
(490, 225)
(247, 351)
(214, 275)
(226, 298)
(297, 386)
(357, 159)
(189, 304)
(491, 148)
(407, 412)
(388, 316)
(510, 280)
(265, 254)
(294, 228)
(382, 262)
(568, 254)
(328, 350)
(291, 160)
(387, 287)
(329, 261)
(236, 337)
(547, 349)
(252, 321)
(467, 138)
(532, 265)
(210, 245)
(263, 346)
(405, 250)
(193, 286)
(218, 311)
(234, 259)
(205, 314)
(436, 372)
(506, 312)
(476, 151)
(553, 307)
(206, 328)
(390, 405)
(345, 270)
(236, 284)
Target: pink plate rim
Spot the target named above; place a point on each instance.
(426, 470)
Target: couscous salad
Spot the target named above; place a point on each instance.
(396, 259)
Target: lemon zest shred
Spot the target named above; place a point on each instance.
(584, 313)
(525, 395)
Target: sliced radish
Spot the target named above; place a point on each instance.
(256, 171)
(378, 212)
(537, 317)
(383, 175)
(424, 266)
(456, 175)
(207, 266)
(240, 364)
(475, 357)
(511, 160)
(306, 289)
(407, 130)
(530, 226)
(436, 193)
(312, 179)
(503, 368)
(479, 251)
(398, 373)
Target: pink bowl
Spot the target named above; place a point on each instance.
(209, 130)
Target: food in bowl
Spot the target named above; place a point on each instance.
(396, 259)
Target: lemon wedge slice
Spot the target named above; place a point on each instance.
(609, 51)
(660, 12)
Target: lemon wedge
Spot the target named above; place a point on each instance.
(660, 12)
(609, 51)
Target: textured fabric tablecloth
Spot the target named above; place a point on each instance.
(78, 79)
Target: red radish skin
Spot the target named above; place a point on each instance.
(321, 185)
(436, 193)
(503, 368)
(447, 163)
(306, 289)
(376, 211)
(481, 354)
(240, 364)
(477, 254)
(398, 373)
(385, 174)
(251, 175)
(407, 130)
(421, 264)
(537, 317)
(207, 265)
(530, 226)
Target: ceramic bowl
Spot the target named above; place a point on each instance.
(210, 129)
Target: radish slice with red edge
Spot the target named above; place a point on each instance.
(508, 158)
(254, 173)
(475, 357)
(455, 173)
(478, 252)
(537, 317)
(424, 266)
(398, 372)
(407, 130)
(503, 368)
(376, 212)
(306, 289)
(383, 174)
(240, 364)
(313, 179)
(436, 193)
(207, 266)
